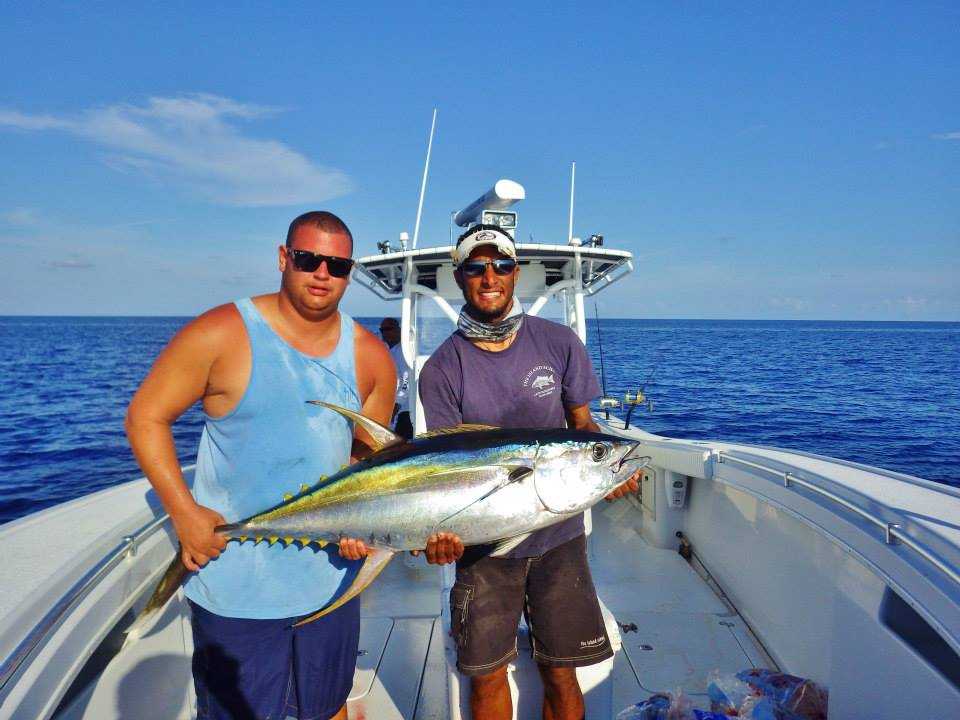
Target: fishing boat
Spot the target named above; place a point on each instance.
(730, 557)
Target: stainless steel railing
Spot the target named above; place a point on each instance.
(893, 532)
(43, 629)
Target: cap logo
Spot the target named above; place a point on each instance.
(482, 236)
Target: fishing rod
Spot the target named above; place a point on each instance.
(639, 397)
(603, 370)
(630, 400)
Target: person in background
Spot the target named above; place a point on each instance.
(508, 369)
(253, 364)
(390, 332)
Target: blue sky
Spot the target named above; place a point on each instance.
(768, 160)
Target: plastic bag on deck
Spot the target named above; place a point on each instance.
(662, 706)
(750, 694)
(727, 693)
(793, 698)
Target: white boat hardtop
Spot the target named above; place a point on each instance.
(826, 569)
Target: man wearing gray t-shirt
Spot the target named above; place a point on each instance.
(509, 369)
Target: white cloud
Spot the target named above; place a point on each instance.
(791, 303)
(193, 142)
(909, 303)
(947, 136)
(19, 120)
(69, 264)
(21, 216)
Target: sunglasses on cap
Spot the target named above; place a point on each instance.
(476, 268)
(306, 261)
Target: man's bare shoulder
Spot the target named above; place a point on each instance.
(216, 328)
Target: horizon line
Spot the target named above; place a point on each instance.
(618, 317)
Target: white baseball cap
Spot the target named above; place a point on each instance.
(483, 235)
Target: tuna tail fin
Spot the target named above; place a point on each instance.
(376, 561)
(171, 581)
(230, 530)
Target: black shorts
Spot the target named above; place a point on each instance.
(404, 427)
(555, 593)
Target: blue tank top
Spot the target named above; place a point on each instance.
(270, 444)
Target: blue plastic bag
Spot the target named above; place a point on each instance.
(792, 697)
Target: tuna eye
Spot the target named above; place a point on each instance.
(600, 451)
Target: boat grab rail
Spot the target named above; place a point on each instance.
(70, 599)
(893, 533)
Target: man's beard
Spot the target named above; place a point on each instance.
(489, 316)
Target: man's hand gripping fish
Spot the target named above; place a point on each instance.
(486, 484)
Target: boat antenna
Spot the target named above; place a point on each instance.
(423, 182)
(573, 177)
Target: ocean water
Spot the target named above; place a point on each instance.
(884, 394)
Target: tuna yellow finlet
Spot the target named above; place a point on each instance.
(287, 496)
(243, 538)
(305, 540)
(272, 539)
(304, 487)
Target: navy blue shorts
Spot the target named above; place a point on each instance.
(268, 670)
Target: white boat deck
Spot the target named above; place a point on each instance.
(683, 631)
(822, 588)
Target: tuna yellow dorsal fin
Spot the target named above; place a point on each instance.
(381, 436)
(456, 429)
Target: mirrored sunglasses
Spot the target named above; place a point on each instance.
(306, 261)
(476, 268)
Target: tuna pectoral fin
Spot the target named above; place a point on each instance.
(169, 584)
(515, 473)
(502, 547)
(382, 436)
(376, 561)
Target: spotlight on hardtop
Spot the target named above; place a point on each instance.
(491, 207)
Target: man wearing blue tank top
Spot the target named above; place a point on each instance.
(509, 369)
(253, 364)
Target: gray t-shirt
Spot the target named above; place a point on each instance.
(545, 370)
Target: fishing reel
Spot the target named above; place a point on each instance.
(630, 401)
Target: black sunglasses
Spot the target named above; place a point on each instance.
(306, 261)
(476, 268)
